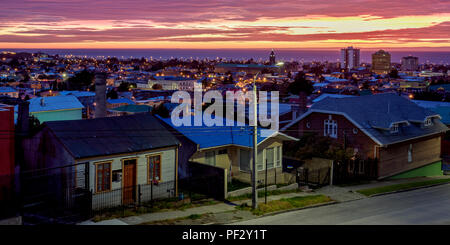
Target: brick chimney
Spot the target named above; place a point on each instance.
(100, 94)
(23, 123)
(301, 107)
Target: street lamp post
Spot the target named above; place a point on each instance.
(255, 147)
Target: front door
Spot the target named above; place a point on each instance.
(129, 181)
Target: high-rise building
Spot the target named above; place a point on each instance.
(272, 58)
(410, 63)
(349, 58)
(381, 62)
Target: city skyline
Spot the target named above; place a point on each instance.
(410, 25)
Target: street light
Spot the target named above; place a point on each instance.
(255, 147)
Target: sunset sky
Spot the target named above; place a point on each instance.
(311, 24)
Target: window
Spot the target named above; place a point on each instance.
(394, 128)
(410, 153)
(428, 122)
(330, 128)
(210, 158)
(270, 157)
(103, 173)
(154, 168)
(308, 125)
(244, 160)
(278, 159)
(355, 131)
(259, 162)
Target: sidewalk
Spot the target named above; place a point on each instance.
(348, 193)
(217, 208)
(337, 193)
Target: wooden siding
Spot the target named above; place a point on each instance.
(394, 159)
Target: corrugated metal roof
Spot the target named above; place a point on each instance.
(53, 103)
(112, 135)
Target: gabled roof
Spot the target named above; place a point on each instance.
(215, 136)
(54, 103)
(375, 114)
(325, 95)
(111, 135)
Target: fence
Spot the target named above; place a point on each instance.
(62, 195)
(139, 195)
(315, 177)
(355, 170)
(207, 180)
(343, 172)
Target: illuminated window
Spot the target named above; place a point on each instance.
(330, 128)
(394, 128)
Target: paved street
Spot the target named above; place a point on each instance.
(422, 206)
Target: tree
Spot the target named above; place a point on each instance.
(123, 87)
(393, 73)
(81, 80)
(112, 94)
(300, 84)
(157, 86)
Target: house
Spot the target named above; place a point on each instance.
(129, 110)
(6, 152)
(56, 108)
(11, 92)
(229, 147)
(120, 160)
(404, 137)
(443, 109)
(86, 98)
(114, 103)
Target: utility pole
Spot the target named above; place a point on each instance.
(255, 148)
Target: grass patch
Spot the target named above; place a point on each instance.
(399, 187)
(286, 204)
(194, 216)
(237, 185)
(261, 194)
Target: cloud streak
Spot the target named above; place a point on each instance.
(228, 21)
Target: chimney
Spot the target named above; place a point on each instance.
(42, 101)
(301, 107)
(100, 94)
(23, 118)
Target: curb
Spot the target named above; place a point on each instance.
(296, 209)
(409, 189)
(289, 210)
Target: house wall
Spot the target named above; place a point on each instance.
(61, 115)
(364, 144)
(7, 140)
(6, 151)
(114, 197)
(394, 159)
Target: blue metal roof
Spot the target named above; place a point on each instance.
(120, 101)
(214, 136)
(53, 103)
